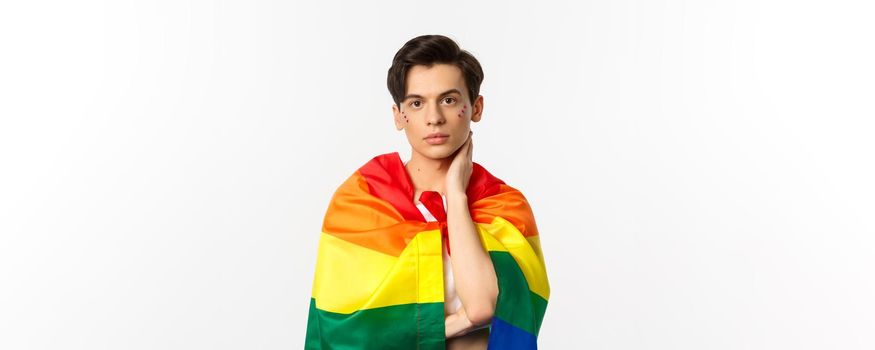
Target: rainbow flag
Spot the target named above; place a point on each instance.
(379, 275)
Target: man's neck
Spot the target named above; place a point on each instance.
(428, 174)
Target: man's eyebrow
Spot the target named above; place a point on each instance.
(450, 91)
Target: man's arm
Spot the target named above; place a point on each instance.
(473, 273)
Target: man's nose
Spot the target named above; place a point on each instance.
(434, 115)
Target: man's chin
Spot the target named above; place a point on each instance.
(440, 152)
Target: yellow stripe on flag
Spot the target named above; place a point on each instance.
(350, 277)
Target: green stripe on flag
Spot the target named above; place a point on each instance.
(516, 304)
(389, 327)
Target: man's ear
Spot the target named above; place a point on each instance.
(396, 115)
(477, 109)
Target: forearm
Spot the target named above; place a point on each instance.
(473, 273)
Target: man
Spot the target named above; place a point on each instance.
(437, 238)
(429, 81)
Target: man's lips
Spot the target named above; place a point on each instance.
(437, 134)
(437, 138)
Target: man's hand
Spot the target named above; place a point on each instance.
(457, 324)
(460, 169)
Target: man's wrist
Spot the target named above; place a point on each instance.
(457, 195)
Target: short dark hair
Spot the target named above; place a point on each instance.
(427, 50)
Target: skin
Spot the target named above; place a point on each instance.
(437, 100)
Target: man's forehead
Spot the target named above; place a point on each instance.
(440, 79)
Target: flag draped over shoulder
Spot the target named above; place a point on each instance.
(379, 275)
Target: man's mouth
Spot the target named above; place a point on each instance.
(437, 138)
(437, 135)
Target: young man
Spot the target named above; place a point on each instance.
(435, 252)
(435, 107)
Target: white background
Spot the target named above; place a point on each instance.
(701, 171)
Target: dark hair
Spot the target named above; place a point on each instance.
(427, 50)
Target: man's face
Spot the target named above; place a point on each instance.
(436, 101)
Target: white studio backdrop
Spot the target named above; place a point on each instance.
(701, 171)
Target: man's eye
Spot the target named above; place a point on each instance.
(415, 103)
(450, 98)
